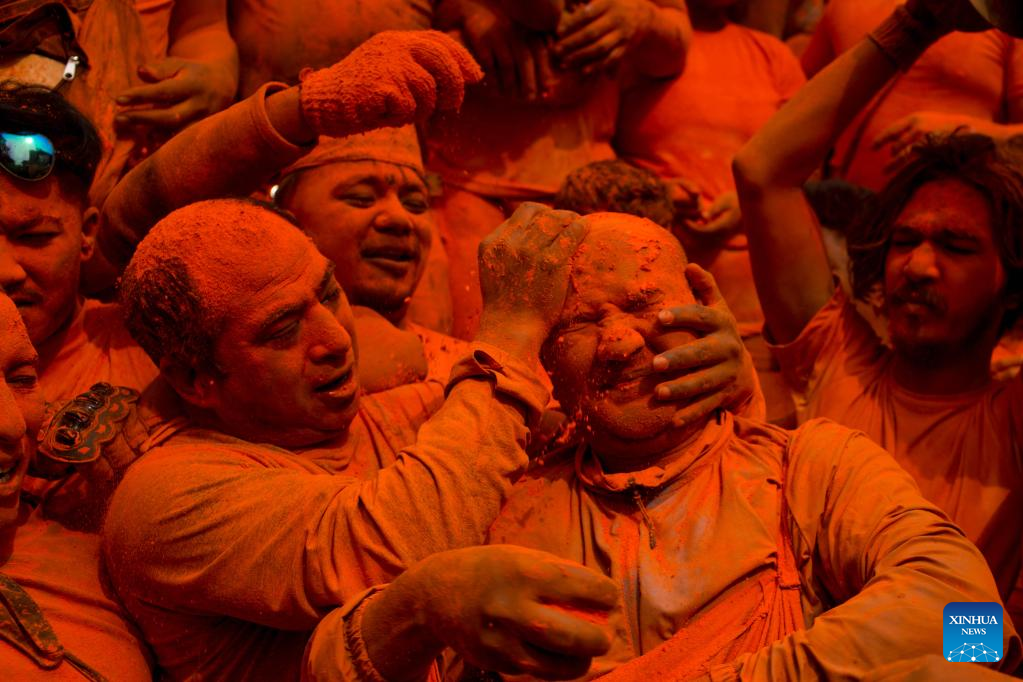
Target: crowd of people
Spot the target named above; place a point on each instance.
(461, 340)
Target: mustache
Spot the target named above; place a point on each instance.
(922, 295)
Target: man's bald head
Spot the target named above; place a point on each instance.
(600, 355)
(193, 264)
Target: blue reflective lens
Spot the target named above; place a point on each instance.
(29, 156)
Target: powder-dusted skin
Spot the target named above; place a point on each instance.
(714, 590)
(973, 74)
(963, 450)
(256, 544)
(219, 242)
(12, 329)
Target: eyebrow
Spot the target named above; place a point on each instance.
(294, 309)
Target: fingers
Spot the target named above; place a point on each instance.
(699, 411)
(698, 384)
(700, 352)
(698, 318)
(544, 68)
(564, 631)
(704, 287)
(894, 131)
(579, 18)
(573, 586)
(525, 68)
(161, 70)
(445, 86)
(581, 53)
(469, 70)
(171, 118)
(164, 92)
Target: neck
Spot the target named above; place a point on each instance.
(621, 457)
(943, 371)
(707, 19)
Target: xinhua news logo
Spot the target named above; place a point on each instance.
(973, 632)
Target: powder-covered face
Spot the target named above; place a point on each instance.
(373, 220)
(41, 251)
(287, 353)
(21, 407)
(944, 280)
(600, 355)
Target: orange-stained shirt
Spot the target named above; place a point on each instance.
(227, 553)
(692, 126)
(963, 450)
(515, 150)
(94, 347)
(975, 74)
(155, 16)
(60, 570)
(278, 38)
(696, 547)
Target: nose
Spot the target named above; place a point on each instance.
(922, 263)
(621, 337)
(12, 275)
(391, 216)
(332, 342)
(12, 425)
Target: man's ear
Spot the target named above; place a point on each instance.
(90, 224)
(198, 388)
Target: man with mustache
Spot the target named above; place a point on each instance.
(944, 245)
(743, 551)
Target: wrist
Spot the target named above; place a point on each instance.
(904, 36)
(398, 619)
(521, 336)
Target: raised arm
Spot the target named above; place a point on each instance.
(392, 79)
(790, 266)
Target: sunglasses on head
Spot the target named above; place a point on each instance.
(27, 156)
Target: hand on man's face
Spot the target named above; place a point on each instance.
(524, 274)
(718, 370)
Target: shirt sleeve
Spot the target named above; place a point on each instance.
(883, 559)
(837, 335)
(232, 153)
(205, 530)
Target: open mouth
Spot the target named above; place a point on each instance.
(336, 383)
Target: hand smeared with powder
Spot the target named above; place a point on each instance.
(524, 272)
(718, 369)
(393, 79)
(504, 609)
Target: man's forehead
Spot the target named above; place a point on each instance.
(947, 205)
(363, 170)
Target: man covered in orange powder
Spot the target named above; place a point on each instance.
(944, 245)
(364, 201)
(246, 524)
(964, 81)
(743, 551)
(57, 618)
(547, 108)
(47, 230)
(689, 129)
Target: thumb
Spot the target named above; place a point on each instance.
(159, 71)
(705, 289)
